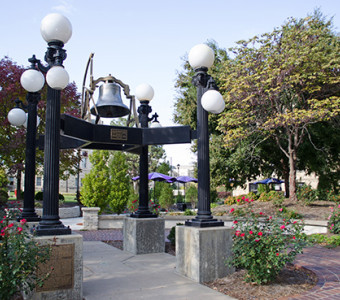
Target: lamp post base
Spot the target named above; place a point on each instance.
(146, 215)
(42, 230)
(204, 223)
(29, 216)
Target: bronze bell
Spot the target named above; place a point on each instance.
(109, 103)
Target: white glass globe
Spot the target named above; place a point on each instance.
(32, 80)
(144, 92)
(25, 124)
(56, 27)
(212, 101)
(155, 125)
(201, 56)
(16, 116)
(57, 78)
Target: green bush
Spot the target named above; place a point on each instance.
(306, 194)
(191, 195)
(172, 234)
(263, 188)
(230, 200)
(334, 220)
(288, 214)
(189, 212)
(39, 196)
(331, 241)
(264, 248)
(166, 199)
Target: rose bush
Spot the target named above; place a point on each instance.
(263, 245)
(20, 257)
(334, 220)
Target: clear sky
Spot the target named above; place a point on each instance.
(145, 41)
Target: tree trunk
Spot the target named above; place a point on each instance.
(292, 175)
(18, 185)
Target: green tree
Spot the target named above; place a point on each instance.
(96, 184)
(191, 195)
(120, 182)
(13, 139)
(166, 198)
(280, 83)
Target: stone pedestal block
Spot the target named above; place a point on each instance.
(142, 236)
(90, 216)
(201, 253)
(66, 278)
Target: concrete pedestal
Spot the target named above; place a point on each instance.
(142, 236)
(90, 216)
(201, 253)
(66, 278)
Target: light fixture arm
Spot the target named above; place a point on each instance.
(36, 63)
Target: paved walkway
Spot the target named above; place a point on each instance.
(153, 276)
(325, 263)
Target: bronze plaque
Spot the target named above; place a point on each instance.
(61, 269)
(119, 134)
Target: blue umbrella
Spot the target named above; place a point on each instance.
(155, 176)
(269, 180)
(185, 179)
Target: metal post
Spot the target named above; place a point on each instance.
(143, 208)
(28, 212)
(50, 223)
(204, 217)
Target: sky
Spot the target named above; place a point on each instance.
(146, 41)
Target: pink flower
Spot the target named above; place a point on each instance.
(19, 229)
(250, 232)
(260, 233)
(270, 217)
(339, 206)
(10, 225)
(235, 222)
(238, 200)
(232, 210)
(247, 200)
(242, 234)
(237, 233)
(257, 240)
(243, 198)
(22, 221)
(282, 227)
(294, 222)
(281, 209)
(252, 200)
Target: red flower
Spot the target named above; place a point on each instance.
(282, 227)
(237, 233)
(242, 234)
(10, 225)
(257, 240)
(19, 229)
(250, 232)
(277, 254)
(260, 233)
(261, 213)
(235, 222)
(243, 198)
(232, 210)
(22, 221)
(238, 200)
(293, 237)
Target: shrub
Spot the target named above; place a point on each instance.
(334, 220)
(20, 258)
(286, 213)
(262, 188)
(230, 200)
(329, 242)
(189, 212)
(166, 198)
(263, 248)
(191, 195)
(306, 194)
(252, 195)
(39, 196)
(172, 234)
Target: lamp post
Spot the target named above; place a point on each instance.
(201, 58)
(17, 117)
(56, 30)
(144, 93)
(178, 165)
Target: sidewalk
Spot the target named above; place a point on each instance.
(110, 273)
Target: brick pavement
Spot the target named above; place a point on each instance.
(325, 263)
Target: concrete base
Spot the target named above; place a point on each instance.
(142, 236)
(201, 253)
(66, 279)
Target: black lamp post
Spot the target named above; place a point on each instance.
(32, 98)
(56, 30)
(201, 57)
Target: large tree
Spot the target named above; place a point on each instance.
(280, 83)
(13, 139)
